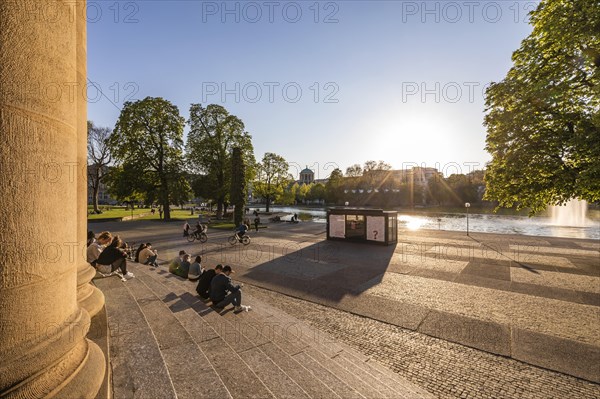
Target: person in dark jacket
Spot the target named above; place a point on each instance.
(223, 292)
(114, 256)
(203, 287)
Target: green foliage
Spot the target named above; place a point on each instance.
(333, 187)
(147, 146)
(317, 192)
(302, 192)
(213, 135)
(288, 197)
(271, 178)
(543, 119)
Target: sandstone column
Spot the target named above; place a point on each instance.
(89, 297)
(43, 347)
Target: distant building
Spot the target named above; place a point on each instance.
(104, 197)
(307, 176)
(418, 176)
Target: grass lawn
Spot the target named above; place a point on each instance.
(116, 212)
(176, 214)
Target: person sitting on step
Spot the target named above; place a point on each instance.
(114, 256)
(223, 292)
(196, 269)
(96, 247)
(180, 265)
(203, 287)
(148, 256)
(138, 251)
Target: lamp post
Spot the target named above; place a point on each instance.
(467, 205)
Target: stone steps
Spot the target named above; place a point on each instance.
(193, 351)
(137, 366)
(249, 346)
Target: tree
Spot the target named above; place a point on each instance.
(99, 157)
(374, 165)
(271, 178)
(213, 135)
(543, 119)
(354, 170)
(333, 187)
(128, 185)
(238, 185)
(147, 142)
(302, 192)
(289, 194)
(317, 192)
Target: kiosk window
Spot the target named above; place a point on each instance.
(355, 226)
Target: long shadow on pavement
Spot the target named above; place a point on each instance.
(326, 270)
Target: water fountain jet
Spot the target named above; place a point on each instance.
(573, 213)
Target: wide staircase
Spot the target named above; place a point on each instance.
(165, 342)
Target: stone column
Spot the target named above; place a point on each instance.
(43, 347)
(89, 297)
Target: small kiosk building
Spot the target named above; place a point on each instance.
(363, 225)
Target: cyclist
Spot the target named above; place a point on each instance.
(199, 228)
(241, 231)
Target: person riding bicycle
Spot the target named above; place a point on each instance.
(241, 230)
(186, 229)
(199, 229)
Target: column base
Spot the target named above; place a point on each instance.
(89, 297)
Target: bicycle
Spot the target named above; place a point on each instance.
(234, 239)
(200, 236)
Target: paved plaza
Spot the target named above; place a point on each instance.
(532, 299)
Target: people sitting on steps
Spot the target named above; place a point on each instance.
(148, 256)
(177, 265)
(223, 292)
(203, 287)
(196, 269)
(115, 258)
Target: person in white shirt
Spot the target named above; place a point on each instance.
(96, 247)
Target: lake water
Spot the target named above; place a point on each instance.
(535, 226)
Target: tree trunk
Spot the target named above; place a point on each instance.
(219, 213)
(166, 209)
(95, 198)
(268, 198)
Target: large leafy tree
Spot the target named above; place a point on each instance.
(543, 119)
(147, 143)
(128, 185)
(214, 132)
(272, 177)
(99, 158)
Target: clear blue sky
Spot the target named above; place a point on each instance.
(380, 80)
